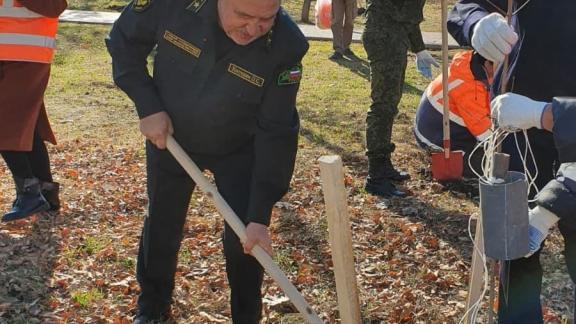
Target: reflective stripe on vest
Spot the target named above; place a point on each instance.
(31, 40)
(25, 35)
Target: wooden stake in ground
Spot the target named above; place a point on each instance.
(238, 227)
(340, 237)
(476, 273)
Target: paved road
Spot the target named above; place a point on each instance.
(432, 40)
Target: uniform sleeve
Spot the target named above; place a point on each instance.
(415, 37)
(465, 15)
(47, 8)
(564, 115)
(129, 43)
(276, 142)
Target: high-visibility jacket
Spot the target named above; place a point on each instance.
(25, 35)
(469, 101)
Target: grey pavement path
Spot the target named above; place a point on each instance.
(431, 39)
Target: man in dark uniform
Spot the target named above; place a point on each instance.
(543, 70)
(392, 27)
(226, 75)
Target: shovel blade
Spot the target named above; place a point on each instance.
(447, 169)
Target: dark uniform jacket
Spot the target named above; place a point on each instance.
(405, 14)
(220, 101)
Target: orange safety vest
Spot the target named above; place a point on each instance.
(469, 98)
(25, 35)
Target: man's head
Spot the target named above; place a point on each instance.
(246, 20)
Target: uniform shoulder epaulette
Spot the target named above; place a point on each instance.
(196, 5)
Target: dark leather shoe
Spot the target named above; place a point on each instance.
(349, 54)
(152, 319)
(383, 187)
(29, 200)
(336, 56)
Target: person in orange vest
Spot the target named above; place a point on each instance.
(469, 78)
(27, 40)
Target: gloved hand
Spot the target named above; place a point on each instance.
(540, 221)
(512, 111)
(493, 38)
(424, 62)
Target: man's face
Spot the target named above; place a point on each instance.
(246, 20)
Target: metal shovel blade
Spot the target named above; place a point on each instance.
(447, 169)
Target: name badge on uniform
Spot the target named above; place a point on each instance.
(289, 76)
(246, 75)
(182, 44)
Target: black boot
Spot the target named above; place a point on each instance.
(382, 187)
(29, 200)
(51, 191)
(380, 176)
(390, 172)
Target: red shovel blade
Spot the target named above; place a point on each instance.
(446, 169)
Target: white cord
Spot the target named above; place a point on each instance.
(475, 308)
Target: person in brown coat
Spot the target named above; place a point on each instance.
(27, 32)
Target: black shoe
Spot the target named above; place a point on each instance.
(349, 54)
(382, 187)
(382, 167)
(51, 191)
(29, 200)
(336, 56)
(143, 318)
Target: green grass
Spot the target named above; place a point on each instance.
(86, 298)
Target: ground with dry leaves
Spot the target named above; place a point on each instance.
(77, 266)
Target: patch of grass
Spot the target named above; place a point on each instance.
(86, 298)
(432, 13)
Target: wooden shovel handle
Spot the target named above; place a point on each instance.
(445, 64)
(238, 227)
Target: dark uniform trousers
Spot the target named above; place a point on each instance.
(392, 28)
(169, 190)
(519, 302)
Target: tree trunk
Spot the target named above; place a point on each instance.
(305, 18)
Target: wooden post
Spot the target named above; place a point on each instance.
(340, 237)
(477, 272)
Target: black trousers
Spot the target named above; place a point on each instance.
(519, 297)
(169, 192)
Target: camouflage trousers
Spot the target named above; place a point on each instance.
(387, 47)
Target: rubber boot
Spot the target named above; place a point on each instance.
(378, 182)
(51, 191)
(29, 200)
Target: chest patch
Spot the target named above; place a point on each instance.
(246, 75)
(182, 44)
(292, 75)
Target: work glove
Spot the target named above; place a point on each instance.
(493, 38)
(512, 111)
(540, 222)
(424, 62)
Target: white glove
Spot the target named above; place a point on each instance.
(424, 62)
(493, 38)
(540, 221)
(512, 111)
